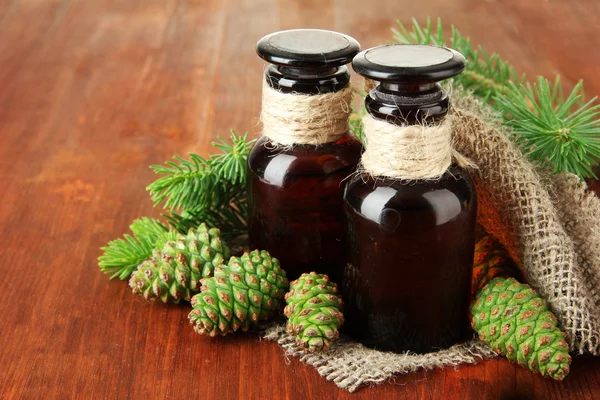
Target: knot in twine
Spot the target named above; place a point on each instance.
(411, 151)
(295, 118)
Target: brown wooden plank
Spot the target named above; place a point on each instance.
(94, 91)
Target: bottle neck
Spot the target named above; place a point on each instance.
(307, 80)
(411, 104)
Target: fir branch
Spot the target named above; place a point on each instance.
(200, 183)
(211, 190)
(552, 129)
(123, 255)
(230, 164)
(185, 183)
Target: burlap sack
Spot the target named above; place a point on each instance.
(549, 224)
(517, 208)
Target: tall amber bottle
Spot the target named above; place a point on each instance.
(410, 242)
(295, 188)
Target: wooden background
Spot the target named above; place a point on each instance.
(94, 91)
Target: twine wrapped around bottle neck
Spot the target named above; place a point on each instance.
(409, 152)
(296, 118)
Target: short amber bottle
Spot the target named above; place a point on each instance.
(410, 243)
(295, 192)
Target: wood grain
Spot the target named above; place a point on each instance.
(94, 91)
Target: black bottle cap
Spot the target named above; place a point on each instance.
(409, 63)
(307, 48)
(407, 76)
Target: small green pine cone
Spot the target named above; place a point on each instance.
(249, 290)
(314, 311)
(514, 321)
(174, 273)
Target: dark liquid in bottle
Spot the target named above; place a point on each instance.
(296, 205)
(410, 256)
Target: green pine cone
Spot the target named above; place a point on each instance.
(314, 311)
(514, 321)
(174, 273)
(248, 290)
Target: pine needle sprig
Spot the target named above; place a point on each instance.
(194, 190)
(200, 183)
(211, 190)
(562, 133)
(123, 255)
(185, 183)
(230, 164)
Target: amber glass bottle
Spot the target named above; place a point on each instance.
(410, 243)
(295, 192)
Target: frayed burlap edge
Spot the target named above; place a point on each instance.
(350, 365)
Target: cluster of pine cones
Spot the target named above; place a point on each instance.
(229, 294)
(232, 293)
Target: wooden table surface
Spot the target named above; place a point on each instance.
(94, 91)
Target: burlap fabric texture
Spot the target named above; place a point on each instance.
(551, 227)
